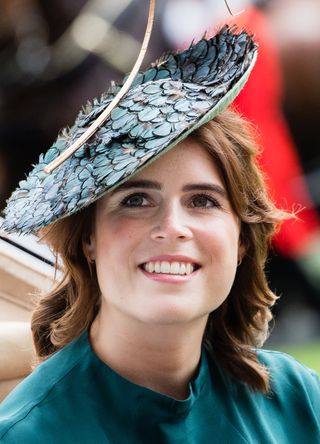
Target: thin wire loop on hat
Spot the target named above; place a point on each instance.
(230, 11)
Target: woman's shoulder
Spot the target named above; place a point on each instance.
(284, 366)
(290, 410)
(20, 409)
(288, 376)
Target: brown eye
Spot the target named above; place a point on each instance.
(203, 201)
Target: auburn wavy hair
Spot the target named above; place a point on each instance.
(234, 329)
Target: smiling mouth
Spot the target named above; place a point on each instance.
(170, 268)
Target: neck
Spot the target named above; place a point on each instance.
(163, 358)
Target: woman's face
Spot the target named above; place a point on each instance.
(166, 243)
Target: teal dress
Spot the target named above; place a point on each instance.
(74, 398)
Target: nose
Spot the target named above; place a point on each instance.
(171, 223)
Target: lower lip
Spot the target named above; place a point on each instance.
(169, 278)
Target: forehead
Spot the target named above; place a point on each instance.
(188, 160)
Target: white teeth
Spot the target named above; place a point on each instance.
(175, 267)
(166, 267)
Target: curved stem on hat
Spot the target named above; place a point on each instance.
(230, 12)
(106, 113)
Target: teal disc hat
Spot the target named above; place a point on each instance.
(163, 105)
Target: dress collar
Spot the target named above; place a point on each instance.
(143, 399)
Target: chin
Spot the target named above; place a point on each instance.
(173, 313)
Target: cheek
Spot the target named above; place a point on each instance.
(222, 241)
(222, 246)
(115, 241)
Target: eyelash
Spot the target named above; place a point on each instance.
(124, 201)
(215, 202)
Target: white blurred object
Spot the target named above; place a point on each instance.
(185, 20)
(16, 353)
(296, 21)
(26, 267)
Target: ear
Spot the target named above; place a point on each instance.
(89, 248)
(241, 251)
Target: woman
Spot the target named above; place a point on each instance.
(150, 336)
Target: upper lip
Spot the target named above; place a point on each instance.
(172, 258)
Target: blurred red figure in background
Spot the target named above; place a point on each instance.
(260, 102)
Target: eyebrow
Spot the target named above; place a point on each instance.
(150, 184)
(206, 187)
(138, 184)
